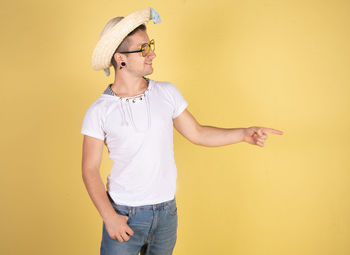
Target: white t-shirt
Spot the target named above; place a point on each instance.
(138, 132)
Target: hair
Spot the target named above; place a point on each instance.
(124, 45)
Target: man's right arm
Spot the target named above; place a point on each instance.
(116, 224)
(91, 161)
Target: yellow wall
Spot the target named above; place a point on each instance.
(277, 64)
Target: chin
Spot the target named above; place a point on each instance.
(149, 72)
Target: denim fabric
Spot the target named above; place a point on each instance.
(154, 226)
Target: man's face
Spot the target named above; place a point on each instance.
(136, 63)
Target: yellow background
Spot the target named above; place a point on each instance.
(277, 64)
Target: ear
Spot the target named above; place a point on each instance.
(118, 57)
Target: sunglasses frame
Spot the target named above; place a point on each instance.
(140, 50)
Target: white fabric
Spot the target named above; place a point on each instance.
(139, 138)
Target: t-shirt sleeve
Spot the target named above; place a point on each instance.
(92, 123)
(179, 101)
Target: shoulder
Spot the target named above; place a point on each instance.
(167, 87)
(164, 84)
(99, 106)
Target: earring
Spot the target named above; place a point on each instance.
(123, 64)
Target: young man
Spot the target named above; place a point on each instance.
(135, 117)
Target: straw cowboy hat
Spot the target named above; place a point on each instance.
(115, 31)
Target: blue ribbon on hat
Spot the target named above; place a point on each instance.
(106, 71)
(155, 16)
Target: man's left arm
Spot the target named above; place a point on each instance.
(211, 136)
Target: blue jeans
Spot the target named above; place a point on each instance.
(154, 226)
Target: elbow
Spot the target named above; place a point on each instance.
(197, 138)
(84, 175)
(88, 173)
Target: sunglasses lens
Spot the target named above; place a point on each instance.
(145, 49)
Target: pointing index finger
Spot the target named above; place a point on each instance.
(274, 131)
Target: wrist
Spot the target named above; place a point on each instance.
(243, 135)
(110, 215)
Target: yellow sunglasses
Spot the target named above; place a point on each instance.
(144, 49)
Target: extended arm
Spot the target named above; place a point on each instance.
(210, 136)
(214, 136)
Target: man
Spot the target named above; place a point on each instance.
(135, 117)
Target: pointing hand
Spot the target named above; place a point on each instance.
(258, 135)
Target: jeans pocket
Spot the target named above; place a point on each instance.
(122, 210)
(173, 213)
(172, 209)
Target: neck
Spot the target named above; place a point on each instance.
(128, 86)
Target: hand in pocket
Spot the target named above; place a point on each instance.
(118, 228)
